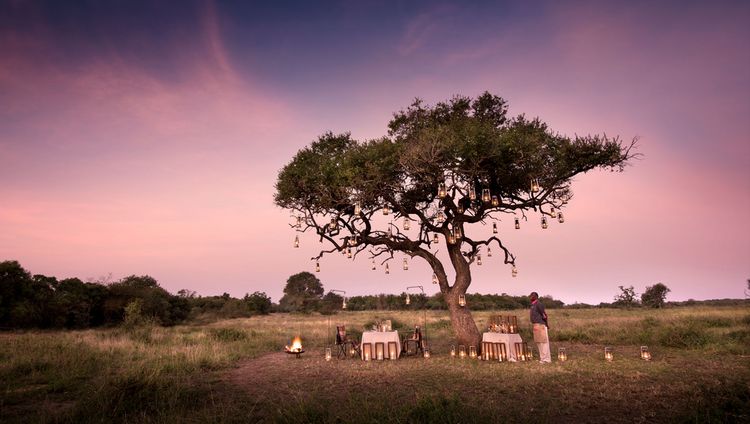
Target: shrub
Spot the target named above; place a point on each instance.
(228, 334)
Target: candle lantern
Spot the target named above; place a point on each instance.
(529, 352)
(373, 265)
(380, 351)
(544, 222)
(299, 222)
(560, 217)
(502, 352)
(486, 351)
(435, 239)
(427, 354)
(535, 185)
(328, 354)
(440, 217)
(367, 351)
(457, 233)
(406, 265)
(486, 195)
(296, 241)
(408, 299)
(349, 252)
(442, 192)
(461, 300)
(645, 354)
(479, 260)
(434, 278)
(495, 201)
(494, 228)
(352, 351)
(489, 252)
(513, 324)
(514, 271)
(387, 270)
(392, 353)
(562, 355)
(517, 223)
(460, 208)
(608, 354)
(317, 266)
(472, 193)
(520, 353)
(343, 303)
(357, 208)
(461, 351)
(453, 351)
(333, 223)
(451, 238)
(472, 352)
(407, 226)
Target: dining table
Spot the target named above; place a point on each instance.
(509, 339)
(374, 338)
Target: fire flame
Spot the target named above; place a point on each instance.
(296, 345)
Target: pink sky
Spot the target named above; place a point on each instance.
(119, 160)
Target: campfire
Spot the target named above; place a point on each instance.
(296, 348)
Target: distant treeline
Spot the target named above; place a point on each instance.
(476, 302)
(39, 301)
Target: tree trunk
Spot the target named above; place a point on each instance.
(464, 328)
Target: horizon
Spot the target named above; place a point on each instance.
(145, 139)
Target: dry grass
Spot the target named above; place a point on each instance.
(231, 371)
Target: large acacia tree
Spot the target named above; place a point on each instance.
(440, 170)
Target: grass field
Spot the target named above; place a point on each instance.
(234, 371)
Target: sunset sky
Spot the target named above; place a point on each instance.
(146, 137)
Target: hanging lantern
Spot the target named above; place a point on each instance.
(461, 300)
(494, 228)
(451, 238)
(517, 223)
(386, 210)
(562, 356)
(472, 193)
(435, 239)
(514, 272)
(479, 260)
(349, 252)
(457, 233)
(317, 266)
(560, 217)
(333, 222)
(434, 278)
(495, 201)
(343, 303)
(390, 232)
(408, 299)
(353, 241)
(299, 222)
(387, 270)
(460, 208)
(357, 208)
(645, 354)
(608, 354)
(440, 217)
(552, 212)
(535, 185)
(373, 265)
(406, 225)
(296, 241)
(544, 223)
(489, 252)
(486, 195)
(406, 265)
(441, 190)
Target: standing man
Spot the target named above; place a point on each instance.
(539, 322)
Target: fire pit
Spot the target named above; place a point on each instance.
(296, 348)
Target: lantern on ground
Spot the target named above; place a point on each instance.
(461, 300)
(434, 278)
(406, 265)
(645, 354)
(472, 352)
(461, 351)
(544, 223)
(562, 355)
(296, 241)
(427, 354)
(494, 228)
(486, 195)
(608, 354)
(442, 192)
(328, 354)
(495, 201)
(529, 352)
(560, 217)
(517, 223)
(453, 351)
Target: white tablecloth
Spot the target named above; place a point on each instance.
(380, 337)
(508, 339)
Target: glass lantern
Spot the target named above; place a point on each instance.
(357, 208)
(472, 193)
(472, 352)
(645, 354)
(479, 260)
(517, 223)
(461, 351)
(562, 355)
(608, 354)
(387, 269)
(486, 195)
(435, 239)
(544, 222)
(406, 265)
(494, 228)
(514, 272)
(317, 266)
(462, 300)
(408, 299)
(560, 217)
(489, 252)
(296, 241)
(442, 192)
(407, 226)
(434, 278)
(495, 201)
(328, 354)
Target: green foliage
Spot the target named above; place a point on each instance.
(302, 293)
(258, 303)
(228, 334)
(655, 295)
(626, 298)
